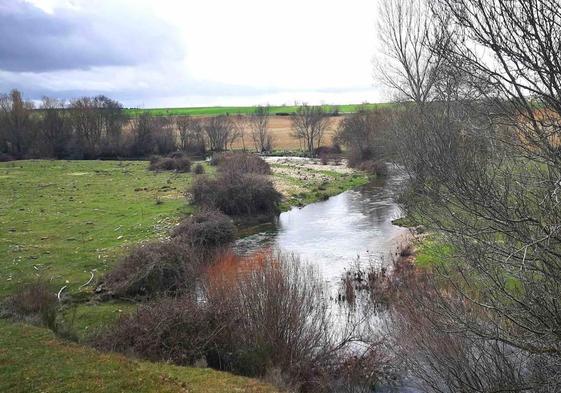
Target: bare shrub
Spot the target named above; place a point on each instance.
(240, 195)
(177, 330)
(34, 303)
(281, 316)
(378, 168)
(264, 315)
(241, 162)
(158, 268)
(205, 229)
(174, 162)
(199, 169)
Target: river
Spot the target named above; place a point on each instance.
(332, 234)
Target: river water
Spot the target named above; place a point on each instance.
(333, 234)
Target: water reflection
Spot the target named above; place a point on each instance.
(333, 233)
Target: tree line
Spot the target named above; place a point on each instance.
(98, 127)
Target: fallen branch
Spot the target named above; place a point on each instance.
(60, 292)
(89, 281)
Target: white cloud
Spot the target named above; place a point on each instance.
(240, 52)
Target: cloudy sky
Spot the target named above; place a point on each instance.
(151, 53)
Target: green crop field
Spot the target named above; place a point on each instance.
(243, 110)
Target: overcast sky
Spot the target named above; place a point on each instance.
(151, 53)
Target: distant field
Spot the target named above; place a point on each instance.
(243, 110)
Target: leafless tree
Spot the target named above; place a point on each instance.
(309, 124)
(191, 134)
(54, 128)
(96, 121)
(406, 30)
(365, 134)
(259, 127)
(16, 124)
(241, 125)
(142, 132)
(218, 130)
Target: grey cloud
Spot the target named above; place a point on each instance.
(36, 41)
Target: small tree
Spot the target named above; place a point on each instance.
(309, 124)
(54, 127)
(218, 130)
(241, 124)
(16, 124)
(259, 126)
(143, 141)
(191, 134)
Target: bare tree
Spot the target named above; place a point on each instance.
(259, 126)
(218, 130)
(406, 30)
(191, 134)
(16, 124)
(365, 134)
(309, 124)
(96, 121)
(142, 132)
(486, 176)
(241, 125)
(53, 128)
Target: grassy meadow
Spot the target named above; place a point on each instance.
(62, 220)
(241, 110)
(32, 359)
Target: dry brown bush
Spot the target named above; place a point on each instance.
(239, 195)
(154, 269)
(241, 162)
(206, 229)
(33, 303)
(174, 162)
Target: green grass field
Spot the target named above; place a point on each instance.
(33, 360)
(243, 110)
(60, 220)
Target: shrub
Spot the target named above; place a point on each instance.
(172, 329)
(241, 162)
(335, 149)
(157, 268)
(199, 169)
(244, 194)
(263, 313)
(175, 162)
(378, 168)
(33, 303)
(206, 229)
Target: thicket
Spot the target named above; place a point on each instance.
(241, 187)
